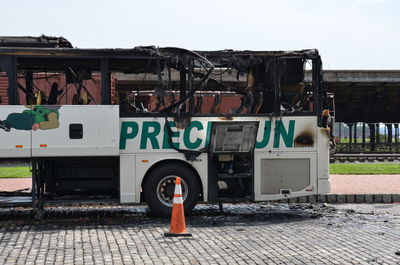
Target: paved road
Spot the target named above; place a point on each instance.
(244, 234)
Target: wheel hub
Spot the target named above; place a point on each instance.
(166, 188)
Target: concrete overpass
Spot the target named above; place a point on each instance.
(365, 95)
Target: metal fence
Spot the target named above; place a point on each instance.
(367, 137)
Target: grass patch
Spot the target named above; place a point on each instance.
(367, 169)
(15, 172)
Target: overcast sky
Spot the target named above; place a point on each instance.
(350, 34)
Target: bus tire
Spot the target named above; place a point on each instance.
(160, 184)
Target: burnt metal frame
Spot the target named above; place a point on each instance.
(8, 64)
(109, 60)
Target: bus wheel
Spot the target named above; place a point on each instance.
(160, 185)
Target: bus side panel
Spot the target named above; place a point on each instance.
(324, 184)
(128, 187)
(287, 166)
(77, 130)
(15, 132)
(284, 175)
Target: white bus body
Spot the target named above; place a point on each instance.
(283, 167)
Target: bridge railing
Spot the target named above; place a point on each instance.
(367, 137)
(379, 148)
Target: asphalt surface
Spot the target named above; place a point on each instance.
(256, 233)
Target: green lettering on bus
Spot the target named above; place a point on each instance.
(152, 129)
(175, 134)
(187, 132)
(152, 136)
(267, 134)
(124, 132)
(208, 134)
(287, 136)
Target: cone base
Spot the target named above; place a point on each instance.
(168, 234)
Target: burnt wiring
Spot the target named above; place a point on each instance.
(79, 84)
(190, 93)
(223, 72)
(159, 89)
(221, 86)
(65, 90)
(27, 92)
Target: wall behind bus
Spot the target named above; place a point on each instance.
(44, 82)
(3, 89)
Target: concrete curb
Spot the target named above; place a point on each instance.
(346, 198)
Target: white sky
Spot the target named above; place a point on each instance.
(350, 34)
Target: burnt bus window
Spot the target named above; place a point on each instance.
(59, 88)
(296, 92)
(38, 81)
(164, 81)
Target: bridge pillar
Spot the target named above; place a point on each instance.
(363, 134)
(350, 125)
(390, 134)
(355, 132)
(372, 135)
(396, 132)
(377, 140)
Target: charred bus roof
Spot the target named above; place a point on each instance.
(38, 42)
(146, 59)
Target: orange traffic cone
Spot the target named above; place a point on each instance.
(178, 224)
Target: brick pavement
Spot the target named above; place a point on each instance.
(341, 184)
(13, 184)
(245, 234)
(365, 184)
